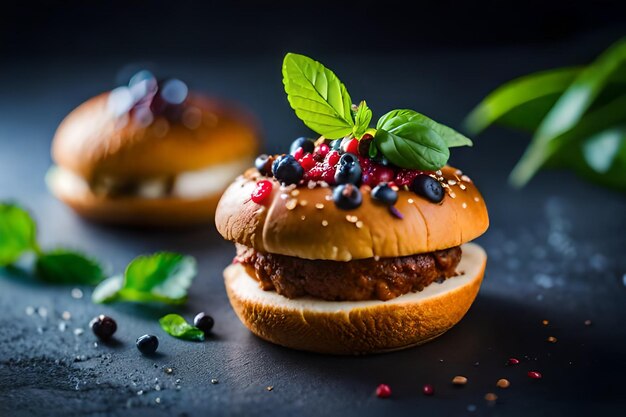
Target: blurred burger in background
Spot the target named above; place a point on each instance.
(151, 153)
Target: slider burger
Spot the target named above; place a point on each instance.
(356, 242)
(150, 153)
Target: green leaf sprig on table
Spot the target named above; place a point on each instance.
(577, 117)
(175, 325)
(18, 237)
(163, 277)
(407, 138)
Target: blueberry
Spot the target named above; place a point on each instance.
(147, 344)
(335, 145)
(264, 164)
(306, 144)
(381, 160)
(385, 194)
(348, 169)
(347, 196)
(204, 322)
(287, 170)
(103, 327)
(427, 187)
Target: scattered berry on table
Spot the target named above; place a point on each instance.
(147, 344)
(103, 327)
(534, 375)
(428, 389)
(204, 322)
(383, 391)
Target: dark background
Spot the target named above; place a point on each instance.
(555, 247)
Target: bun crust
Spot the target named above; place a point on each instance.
(92, 140)
(356, 327)
(292, 224)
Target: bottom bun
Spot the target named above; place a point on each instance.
(356, 327)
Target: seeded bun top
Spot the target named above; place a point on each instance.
(92, 140)
(305, 222)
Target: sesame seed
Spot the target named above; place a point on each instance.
(303, 203)
(465, 178)
(438, 172)
(328, 197)
(459, 380)
(359, 224)
(303, 217)
(352, 219)
(323, 184)
(458, 172)
(283, 196)
(452, 194)
(462, 187)
(295, 193)
(503, 383)
(476, 199)
(66, 315)
(452, 182)
(411, 201)
(324, 223)
(464, 205)
(291, 204)
(319, 206)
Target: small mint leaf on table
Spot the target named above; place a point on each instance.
(17, 233)
(62, 266)
(163, 277)
(177, 326)
(318, 97)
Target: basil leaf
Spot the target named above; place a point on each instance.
(450, 137)
(319, 99)
(362, 119)
(67, 267)
(163, 277)
(411, 145)
(176, 326)
(17, 233)
(568, 111)
(522, 102)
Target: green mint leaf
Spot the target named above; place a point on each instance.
(450, 136)
(522, 102)
(362, 119)
(319, 99)
(410, 144)
(567, 114)
(176, 326)
(17, 233)
(61, 266)
(163, 277)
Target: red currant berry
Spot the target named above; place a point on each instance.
(262, 191)
(352, 146)
(332, 158)
(307, 161)
(299, 153)
(323, 149)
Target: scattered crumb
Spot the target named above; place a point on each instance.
(269, 388)
(459, 380)
(551, 339)
(491, 397)
(587, 322)
(545, 322)
(503, 383)
(214, 381)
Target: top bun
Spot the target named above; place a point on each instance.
(92, 140)
(305, 223)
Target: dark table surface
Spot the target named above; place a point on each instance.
(556, 253)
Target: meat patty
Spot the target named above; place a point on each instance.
(362, 279)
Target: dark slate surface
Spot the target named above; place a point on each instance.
(556, 252)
